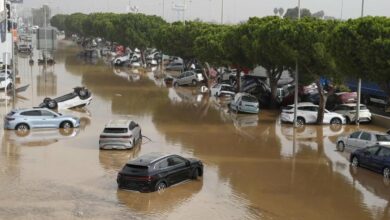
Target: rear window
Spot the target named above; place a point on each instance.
(135, 169)
(383, 137)
(115, 130)
(249, 99)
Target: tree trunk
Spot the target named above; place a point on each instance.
(238, 80)
(274, 87)
(323, 98)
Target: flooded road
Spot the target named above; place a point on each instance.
(255, 167)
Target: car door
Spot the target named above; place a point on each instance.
(368, 156)
(33, 118)
(379, 159)
(352, 139)
(364, 140)
(49, 119)
(178, 168)
(180, 79)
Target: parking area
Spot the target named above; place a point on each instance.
(254, 166)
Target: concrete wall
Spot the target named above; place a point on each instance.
(380, 120)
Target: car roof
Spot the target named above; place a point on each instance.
(118, 123)
(28, 109)
(149, 158)
(373, 132)
(301, 104)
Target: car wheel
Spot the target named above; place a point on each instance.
(335, 121)
(355, 161)
(83, 92)
(22, 127)
(140, 135)
(160, 186)
(195, 174)
(52, 104)
(194, 83)
(347, 120)
(300, 121)
(340, 146)
(9, 87)
(386, 172)
(118, 62)
(66, 125)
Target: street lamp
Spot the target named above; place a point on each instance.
(359, 87)
(221, 11)
(296, 76)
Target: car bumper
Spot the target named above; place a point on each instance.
(114, 145)
(287, 118)
(135, 185)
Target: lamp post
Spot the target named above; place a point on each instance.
(359, 87)
(296, 76)
(221, 11)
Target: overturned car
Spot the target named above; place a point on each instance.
(80, 97)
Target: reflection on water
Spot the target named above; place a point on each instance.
(255, 167)
(46, 82)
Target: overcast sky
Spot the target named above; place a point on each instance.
(210, 10)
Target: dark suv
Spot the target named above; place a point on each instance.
(156, 171)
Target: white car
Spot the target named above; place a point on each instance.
(5, 82)
(120, 134)
(307, 114)
(121, 60)
(349, 112)
(245, 103)
(80, 97)
(362, 139)
(222, 90)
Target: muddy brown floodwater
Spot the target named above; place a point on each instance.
(255, 167)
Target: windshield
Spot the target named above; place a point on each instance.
(249, 99)
(227, 88)
(383, 137)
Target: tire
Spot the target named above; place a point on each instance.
(140, 135)
(52, 104)
(300, 121)
(118, 62)
(340, 146)
(347, 120)
(9, 87)
(22, 127)
(195, 174)
(160, 186)
(66, 125)
(335, 121)
(194, 83)
(386, 172)
(46, 100)
(355, 161)
(83, 92)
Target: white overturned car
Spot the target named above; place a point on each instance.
(80, 97)
(307, 114)
(222, 90)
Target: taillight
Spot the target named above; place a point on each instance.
(140, 178)
(9, 119)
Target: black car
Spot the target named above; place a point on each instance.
(376, 158)
(156, 171)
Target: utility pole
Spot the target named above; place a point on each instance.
(359, 87)
(221, 11)
(296, 76)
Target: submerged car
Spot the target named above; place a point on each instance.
(157, 171)
(376, 158)
(120, 134)
(188, 78)
(245, 103)
(307, 114)
(80, 97)
(25, 119)
(361, 139)
(222, 90)
(349, 112)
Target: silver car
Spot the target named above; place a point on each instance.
(120, 134)
(25, 119)
(188, 78)
(362, 139)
